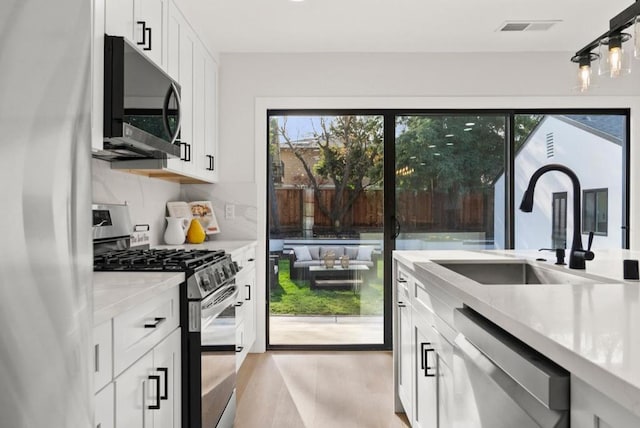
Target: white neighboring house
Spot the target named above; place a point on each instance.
(591, 146)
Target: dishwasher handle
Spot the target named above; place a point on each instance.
(541, 377)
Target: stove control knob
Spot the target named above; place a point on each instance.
(205, 283)
(218, 276)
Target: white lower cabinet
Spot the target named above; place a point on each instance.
(246, 304)
(405, 348)
(104, 411)
(143, 388)
(425, 397)
(135, 393)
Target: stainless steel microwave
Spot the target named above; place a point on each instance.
(141, 106)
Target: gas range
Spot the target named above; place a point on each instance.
(205, 270)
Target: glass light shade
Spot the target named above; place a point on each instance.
(614, 61)
(584, 77)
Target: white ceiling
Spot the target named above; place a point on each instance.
(396, 25)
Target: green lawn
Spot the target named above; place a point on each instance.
(294, 297)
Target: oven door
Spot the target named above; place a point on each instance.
(218, 360)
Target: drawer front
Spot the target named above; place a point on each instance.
(102, 355)
(138, 330)
(437, 301)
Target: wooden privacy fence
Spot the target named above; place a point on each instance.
(416, 210)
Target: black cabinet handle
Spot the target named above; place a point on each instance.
(146, 31)
(156, 322)
(183, 144)
(425, 359)
(248, 292)
(165, 370)
(402, 305)
(148, 48)
(188, 152)
(211, 164)
(96, 357)
(157, 405)
(239, 304)
(402, 280)
(239, 349)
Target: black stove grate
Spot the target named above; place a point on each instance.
(177, 260)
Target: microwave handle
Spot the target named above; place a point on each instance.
(165, 115)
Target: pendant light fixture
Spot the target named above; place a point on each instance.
(585, 73)
(613, 60)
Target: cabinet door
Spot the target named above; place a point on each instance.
(198, 108)
(241, 351)
(187, 47)
(149, 29)
(405, 370)
(120, 20)
(425, 400)
(446, 405)
(166, 360)
(248, 286)
(135, 393)
(105, 411)
(211, 119)
(102, 355)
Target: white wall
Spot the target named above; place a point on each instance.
(252, 83)
(588, 156)
(147, 197)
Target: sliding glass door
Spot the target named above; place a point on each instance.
(325, 230)
(449, 191)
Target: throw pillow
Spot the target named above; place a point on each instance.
(302, 254)
(315, 252)
(351, 252)
(364, 253)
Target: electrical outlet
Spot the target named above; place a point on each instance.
(229, 211)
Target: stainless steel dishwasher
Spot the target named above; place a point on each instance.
(503, 383)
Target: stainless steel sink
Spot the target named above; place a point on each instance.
(514, 273)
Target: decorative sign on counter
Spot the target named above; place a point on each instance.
(200, 210)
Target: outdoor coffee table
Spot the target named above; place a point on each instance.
(337, 276)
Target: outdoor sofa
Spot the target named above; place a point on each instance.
(301, 257)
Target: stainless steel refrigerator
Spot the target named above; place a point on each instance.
(45, 196)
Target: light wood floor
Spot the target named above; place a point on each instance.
(317, 390)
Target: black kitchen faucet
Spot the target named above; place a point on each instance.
(577, 255)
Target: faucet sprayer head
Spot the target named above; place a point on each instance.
(527, 201)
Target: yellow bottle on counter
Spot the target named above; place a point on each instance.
(195, 234)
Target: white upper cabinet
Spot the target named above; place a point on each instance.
(211, 119)
(142, 22)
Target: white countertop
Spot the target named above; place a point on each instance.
(116, 292)
(592, 330)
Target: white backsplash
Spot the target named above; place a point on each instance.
(147, 197)
(243, 197)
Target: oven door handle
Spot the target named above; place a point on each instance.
(156, 322)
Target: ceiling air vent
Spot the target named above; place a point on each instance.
(527, 25)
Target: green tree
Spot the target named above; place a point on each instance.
(351, 158)
(454, 154)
